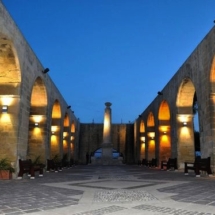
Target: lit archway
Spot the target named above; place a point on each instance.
(9, 98)
(55, 130)
(66, 134)
(72, 140)
(150, 136)
(142, 140)
(164, 131)
(185, 132)
(37, 120)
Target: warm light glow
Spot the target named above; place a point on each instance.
(54, 128)
(143, 139)
(53, 140)
(37, 131)
(5, 118)
(184, 123)
(106, 129)
(7, 100)
(164, 128)
(72, 138)
(164, 141)
(142, 126)
(185, 132)
(36, 124)
(151, 135)
(37, 118)
(65, 134)
(183, 118)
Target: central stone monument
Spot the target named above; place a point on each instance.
(107, 146)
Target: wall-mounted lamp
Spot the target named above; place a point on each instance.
(160, 93)
(68, 107)
(45, 70)
(152, 138)
(4, 109)
(164, 132)
(184, 123)
(36, 124)
(53, 132)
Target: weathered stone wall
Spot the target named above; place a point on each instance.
(91, 137)
(196, 75)
(21, 71)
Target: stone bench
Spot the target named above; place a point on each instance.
(53, 166)
(152, 162)
(171, 163)
(200, 164)
(26, 166)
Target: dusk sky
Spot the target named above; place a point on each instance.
(121, 51)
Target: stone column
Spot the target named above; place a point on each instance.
(106, 145)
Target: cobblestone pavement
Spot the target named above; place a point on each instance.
(114, 190)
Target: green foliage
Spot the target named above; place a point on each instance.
(65, 157)
(56, 158)
(5, 165)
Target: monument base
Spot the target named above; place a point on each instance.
(106, 161)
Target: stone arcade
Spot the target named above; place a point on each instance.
(35, 120)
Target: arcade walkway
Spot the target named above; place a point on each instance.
(114, 190)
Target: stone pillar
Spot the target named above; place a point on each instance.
(106, 145)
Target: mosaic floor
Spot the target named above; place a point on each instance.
(116, 190)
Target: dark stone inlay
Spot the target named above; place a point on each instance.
(168, 210)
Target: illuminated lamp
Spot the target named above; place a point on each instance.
(45, 70)
(53, 132)
(184, 123)
(36, 124)
(164, 132)
(4, 109)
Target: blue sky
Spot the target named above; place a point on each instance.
(122, 51)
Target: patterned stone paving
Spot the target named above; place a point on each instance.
(193, 192)
(168, 211)
(122, 196)
(108, 188)
(101, 211)
(20, 200)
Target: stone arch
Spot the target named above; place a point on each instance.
(142, 140)
(72, 139)
(212, 95)
(66, 134)
(212, 76)
(150, 143)
(164, 131)
(10, 81)
(55, 129)
(37, 120)
(185, 132)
